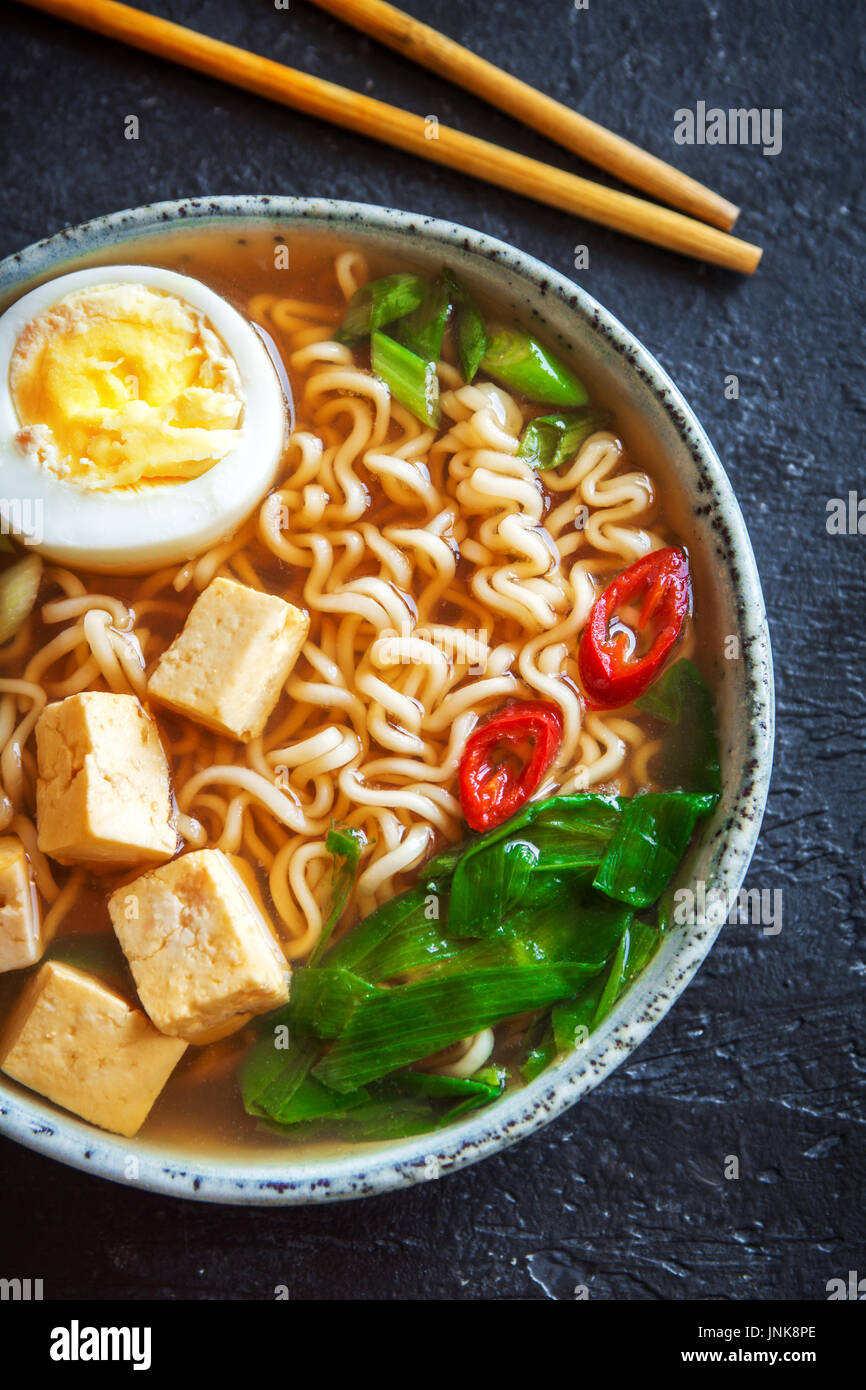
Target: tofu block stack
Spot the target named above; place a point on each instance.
(201, 949)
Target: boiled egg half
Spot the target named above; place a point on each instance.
(141, 418)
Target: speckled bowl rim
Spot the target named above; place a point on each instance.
(374, 1169)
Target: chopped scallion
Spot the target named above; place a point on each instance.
(520, 362)
(411, 380)
(380, 302)
(551, 440)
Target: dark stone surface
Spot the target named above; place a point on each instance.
(763, 1057)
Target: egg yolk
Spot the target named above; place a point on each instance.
(120, 386)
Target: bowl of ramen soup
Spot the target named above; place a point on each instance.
(385, 697)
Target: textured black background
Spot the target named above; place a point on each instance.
(764, 1056)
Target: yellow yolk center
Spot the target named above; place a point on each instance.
(120, 385)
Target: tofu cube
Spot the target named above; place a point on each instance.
(203, 955)
(83, 1046)
(229, 664)
(22, 940)
(102, 794)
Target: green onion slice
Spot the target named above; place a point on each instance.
(520, 362)
(470, 334)
(380, 302)
(422, 331)
(19, 585)
(551, 440)
(411, 380)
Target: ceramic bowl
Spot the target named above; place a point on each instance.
(721, 854)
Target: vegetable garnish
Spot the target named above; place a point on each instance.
(547, 913)
(422, 331)
(406, 1023)
(19, 585)
(380, 302)
(648, 844)
(519, 361)
(469, 331)
(505, 759)
(416, 310)
(689, 756)
(613, 671)
(411, 380)
(345, 844)
(551, 440)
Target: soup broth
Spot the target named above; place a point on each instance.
(445, 579)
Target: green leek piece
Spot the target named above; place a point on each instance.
(422, 331)
(521, 363)
(352, 951)
(470, 335)
(380, 302)
(270, 1074)
(324, 1001)
(689, 756)
(345, 844)
(578, 830)
(534, 916)
(491, 885)
(19, 585)
(648, 844)
(409, 1022)
(411, 380)
(551, 440)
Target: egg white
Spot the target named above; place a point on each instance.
(135, 531)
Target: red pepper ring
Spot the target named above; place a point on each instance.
(611, 676)
(493, 784)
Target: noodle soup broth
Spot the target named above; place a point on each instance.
(445, 579)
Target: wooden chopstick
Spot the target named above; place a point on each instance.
(621, 211)
(560, 123)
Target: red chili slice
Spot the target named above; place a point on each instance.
(505, 759)
(610, 673)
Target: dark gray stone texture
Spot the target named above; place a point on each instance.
(764, 1056)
